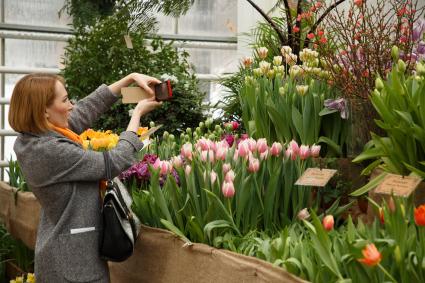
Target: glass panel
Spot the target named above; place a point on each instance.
(33, 53)
(210, 18)
(36, 12)
(165, 24)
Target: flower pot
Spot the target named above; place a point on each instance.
(19, 211)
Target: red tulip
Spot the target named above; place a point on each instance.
(371, 255)
(328, 222)
(420, 215)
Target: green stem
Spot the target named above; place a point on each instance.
(386, 272)
(229, 204)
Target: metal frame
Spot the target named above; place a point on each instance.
(63, 34)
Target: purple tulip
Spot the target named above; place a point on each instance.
(339, 104)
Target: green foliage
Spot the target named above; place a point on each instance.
(16, 178)
(99, 55)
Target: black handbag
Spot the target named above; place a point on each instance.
(120, 226)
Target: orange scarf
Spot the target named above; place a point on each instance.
(67, 133)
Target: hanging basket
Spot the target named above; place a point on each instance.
(19, 211)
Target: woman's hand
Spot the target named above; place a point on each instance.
(146, 105)
(143, 107)
(145, 82)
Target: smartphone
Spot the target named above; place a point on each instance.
(133, 94)
(163, 91)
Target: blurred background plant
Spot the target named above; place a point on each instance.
(16, 178)
(98, 54)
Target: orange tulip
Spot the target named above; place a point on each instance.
(371, 255)
(420, 215)
(328, 222)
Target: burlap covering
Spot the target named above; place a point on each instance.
(160, 256)
(418, 196)
(21, 217)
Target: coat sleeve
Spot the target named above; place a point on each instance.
(87, 110)
(65, 161)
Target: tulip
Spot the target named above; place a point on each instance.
(371, 255)
(221, 153)
(157, 163)
(302, 89)
(303, 214)
(177, 161)
(289, 153)
(202, 144)
(264, 67)
(315, 150)
(247, 62)
(420, 215)
(254, 165)
(328, 222)
(207, 155)
(187, 170)
(262, 145)
(252, 144)
(291, 59)
(277, 60)
(294, 147)
(186, 151)
(358, 3)
(226, 168)
(264, 155)
(230, 176)
(262, 52)
(228, 189)
(304, 152)
(243, 148)
(276, 148)
(285, 50)
(213, 176)
(381, 215)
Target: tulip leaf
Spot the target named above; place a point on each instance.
(214, 225)
(369, 186)
(175, 230)
(298, 122)
(415, 170)
(331, 144)
(327, 111)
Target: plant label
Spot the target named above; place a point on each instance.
(152, 130)
(128, 41)
(398, 185)
(315, 177)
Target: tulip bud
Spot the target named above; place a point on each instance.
(262, 52)
(397, 254)
(420, 68)
(228, 189)
(276, 149)
(257, 72)
(315, 150)
(230, 176)
(166, 135)
(302, 89)
(189, 131)
(282, 91)
(151, 124)
(213, 176)
(226, 168)
(254, 165)
(182, 136)
(394, 53)
(187, 170)
(379, 85)
(328, 222)
(201, 125)
(208, 122)
(401, 66)
(277, 60)
(303, 214)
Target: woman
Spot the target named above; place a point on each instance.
(63, 176)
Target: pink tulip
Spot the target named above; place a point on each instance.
(252, 144)
(315, 150)
(358, 3)
(212, 145)
(226, 168)
(235, 156)
(157, 163)
(230, 176)
(244, 136)
(295, 148)
(264, 155)
(202, 144)
(289, 153)
(221, 153)
(186, 151)
(254, 165)
(177, 161)
(213, 176)
(328, 222)
(187, 170)
(243, 149)
(276, 148)
(304, 152)
(303, 214)
(262, 145)
(207, 155)
(228, 189)
(165, 167)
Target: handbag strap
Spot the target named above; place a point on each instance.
(110, 185)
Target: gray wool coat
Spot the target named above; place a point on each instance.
(65, 179)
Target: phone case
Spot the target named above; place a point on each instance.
(163, 91)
